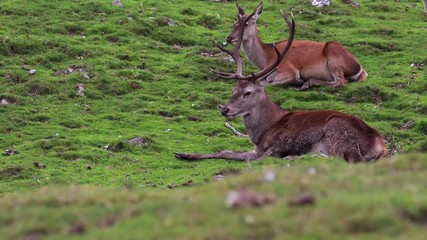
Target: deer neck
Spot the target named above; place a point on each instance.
(260, 119)
(255, 50)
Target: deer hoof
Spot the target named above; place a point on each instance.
(184, 156)
(304, 88)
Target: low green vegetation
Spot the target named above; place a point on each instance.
(116, 91)
(376, 201)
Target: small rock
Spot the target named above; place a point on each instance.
(408, 125)
(117, 3)
(5, 102)
(195, 119)
(77, 69)
(188, 184)
(302, 199)
(320, 3)
(9, 152)
(39, 165)
(78, 228)
(135, 85)
(312, 171)
(169, 21)
(32, 71)
(419, 66)
(249, 219)
(178, 47)
(245, 198)
(351, 2)
(80, 90)
(140, 141)
(207, 54)
(228, 59)
(270, 176)
(218, 177)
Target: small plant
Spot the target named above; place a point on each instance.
(189, 11)
(422, 126)
(209, 21)
(128, 183)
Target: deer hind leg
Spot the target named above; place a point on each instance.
(346, 139)
(229, 155)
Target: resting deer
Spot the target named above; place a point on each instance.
(278, 133)
(307, 63)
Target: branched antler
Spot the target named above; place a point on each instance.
(234, 53)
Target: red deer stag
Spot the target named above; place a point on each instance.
(306, 64)
(278, 133)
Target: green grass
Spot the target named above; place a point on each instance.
(83, 140)
(375, 201)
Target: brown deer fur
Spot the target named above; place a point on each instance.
(278, 133)
(307, 63)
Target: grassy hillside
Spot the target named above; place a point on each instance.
(145, 70)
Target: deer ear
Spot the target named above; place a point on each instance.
(258, 11)
(239, 9)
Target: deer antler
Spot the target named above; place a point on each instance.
(234, 53)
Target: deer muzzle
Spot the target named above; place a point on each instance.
(224, 110)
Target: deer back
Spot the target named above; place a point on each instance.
(326, 132)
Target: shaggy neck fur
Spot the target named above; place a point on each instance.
(259, 120)
(254, 48)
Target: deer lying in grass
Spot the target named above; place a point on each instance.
(278, 133)
(307, 63)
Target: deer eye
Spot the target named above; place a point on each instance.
(247, 94)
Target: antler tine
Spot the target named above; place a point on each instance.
(236, 58)
(280, 55)
(234, 52)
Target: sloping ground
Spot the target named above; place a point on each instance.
(376, 201)
(116, 91)
(144, 72)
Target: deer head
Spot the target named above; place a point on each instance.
(250, 24)
(245, 96)
(249, 91)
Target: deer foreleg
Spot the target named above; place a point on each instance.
(315, 82)
(288, 78)
(339, 81)
(229, 155)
